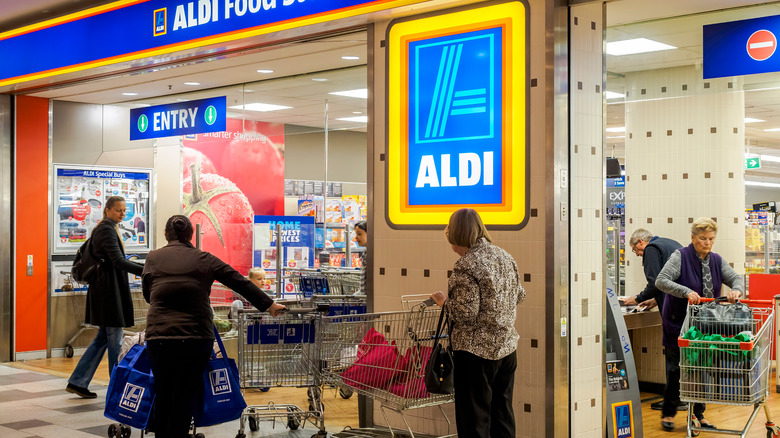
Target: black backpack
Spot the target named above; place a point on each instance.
(85, 266)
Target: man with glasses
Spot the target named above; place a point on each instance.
(655, 251)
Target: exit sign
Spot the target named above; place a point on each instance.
(753, 163)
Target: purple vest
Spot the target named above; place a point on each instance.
(674, 310)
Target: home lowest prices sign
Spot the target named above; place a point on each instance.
(297, 235)
(457, 116)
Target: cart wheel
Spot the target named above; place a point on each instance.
(293, 421)
(320, 434)
(265, 388)
(113, 430)
(241, 435)
(346, 393)
(200, 435)
(125, 431)
(68, 350)
(253, 424)
(771, 434)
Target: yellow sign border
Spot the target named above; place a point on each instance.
(614, 416)
(513, 212)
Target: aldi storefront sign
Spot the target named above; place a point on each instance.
(185, 118)
(741, 47)
(457, 116)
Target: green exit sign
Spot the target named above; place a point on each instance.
(752, 163)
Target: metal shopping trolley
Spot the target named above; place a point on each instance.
(727, 362)
(383, 355)
(281, 351)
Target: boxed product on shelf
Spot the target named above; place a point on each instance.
(333, 211)
(311, 206)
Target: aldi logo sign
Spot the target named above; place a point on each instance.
(131, 397)
(220, 384)
(160, 18)
(623, 420)
(457, 116)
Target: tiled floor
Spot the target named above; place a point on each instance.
(34, 404)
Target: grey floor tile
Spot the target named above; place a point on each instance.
(11, 433)
(83, 408)
(26, 424)
(55, 431)
(16, 395)
(25, 377)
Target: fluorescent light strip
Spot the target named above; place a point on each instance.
(361, 93)
(770, 158)
(634, 46)
(359, 119)
(613, 95)
(261, 107)
(752, 120)
(619, 129)
(761, 184)
(772, 130)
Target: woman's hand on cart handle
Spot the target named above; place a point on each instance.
(733, 296)
(440, 298)
(277, 309)
(694, 298)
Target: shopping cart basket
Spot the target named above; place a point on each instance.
(383, 355)
(727, 362)
(281, 351)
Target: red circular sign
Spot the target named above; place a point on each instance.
(761, 45)
(289, 287)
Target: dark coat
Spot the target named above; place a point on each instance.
(109, 303)
(656, 253)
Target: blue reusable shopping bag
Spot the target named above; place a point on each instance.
(131, 389)
(222, 399)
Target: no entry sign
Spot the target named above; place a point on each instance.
(761, 45)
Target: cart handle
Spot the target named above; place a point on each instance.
(765, 302)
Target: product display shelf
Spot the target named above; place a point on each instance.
(616, 253)
(762, 249)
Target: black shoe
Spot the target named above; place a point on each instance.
(81, 392)
(682, 407)
(657, 406)
(667, 425)
(707, 425)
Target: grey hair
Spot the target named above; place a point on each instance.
(640, 234)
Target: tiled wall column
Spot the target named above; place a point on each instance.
(684, 159)
(586, 156)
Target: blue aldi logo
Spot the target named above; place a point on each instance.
(622, 418)
(160, 20)
(131, 397)
(220, 384)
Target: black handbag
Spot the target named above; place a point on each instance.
(714, 318)
(439, 376)
(86, 265)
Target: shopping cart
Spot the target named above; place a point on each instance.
(383, 356)
(727, 362)
(325, 281)
(281, 351)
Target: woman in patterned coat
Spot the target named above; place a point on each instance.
(483, 293)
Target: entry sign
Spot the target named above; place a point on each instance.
(182, 118)
(457, 116)
(741, 47)
(753, 163)
(623, 420)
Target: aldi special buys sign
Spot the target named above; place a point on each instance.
(128, 30)
(183, 118)
(457, 120)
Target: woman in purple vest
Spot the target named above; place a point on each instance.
(690, 273)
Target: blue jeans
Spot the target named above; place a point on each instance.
(107, 338)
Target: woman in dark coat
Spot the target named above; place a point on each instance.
(177, 281)
(109, 304)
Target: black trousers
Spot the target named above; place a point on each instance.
(483, 395)
(178, 367)
(672, 390)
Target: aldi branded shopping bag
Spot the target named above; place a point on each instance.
(131, 390)
(222, 399)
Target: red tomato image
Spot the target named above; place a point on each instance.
(225, 216)
(257, 168)
(194, 156)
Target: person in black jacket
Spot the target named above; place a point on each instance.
(177, 281)
(109, 304)
(655, 251)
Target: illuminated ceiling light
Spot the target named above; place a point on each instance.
(318, 79)
(361, 93)
(192, 83)
(618, 129)
(761, 184)
(613, 95)
(350, 58)
(129, 94)
(265, 71)
(357, 112)
(634, 46)
(261, 107)
(752, 120)
(770, 158)
(617, 136)
(359, 119)
(772, 130)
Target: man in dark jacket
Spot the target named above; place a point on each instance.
(109, 304)
(655, 251)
